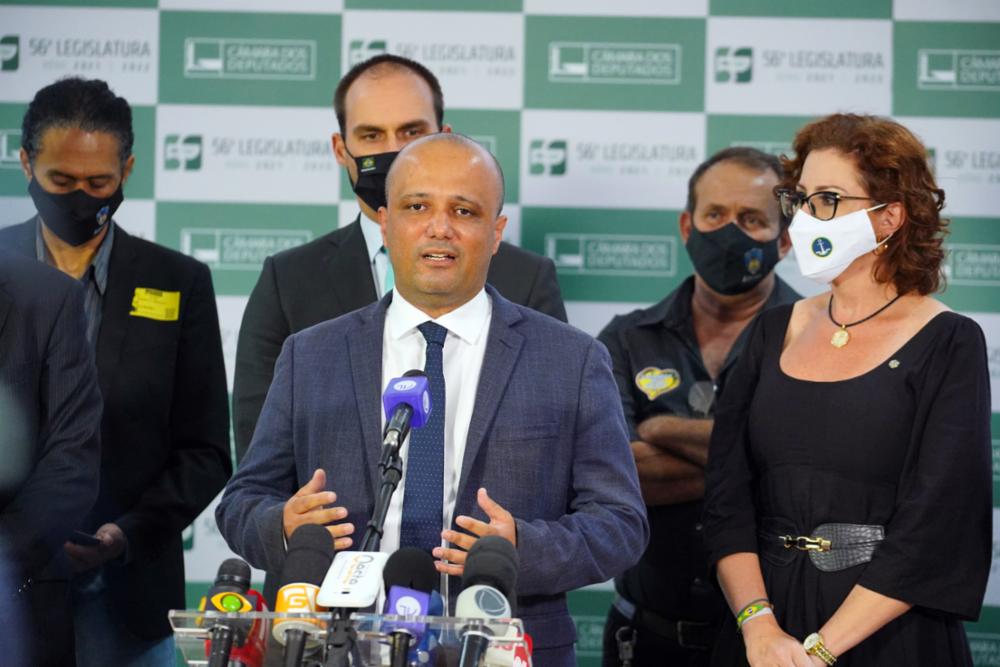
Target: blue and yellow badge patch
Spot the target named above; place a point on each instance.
(753, 259)
(655, 382)
(821, 246)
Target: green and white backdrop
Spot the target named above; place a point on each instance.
(598, 112)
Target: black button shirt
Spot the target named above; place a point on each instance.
(659, 370)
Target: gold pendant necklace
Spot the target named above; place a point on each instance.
(840, 337)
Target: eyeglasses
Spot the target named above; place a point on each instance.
(822, 204)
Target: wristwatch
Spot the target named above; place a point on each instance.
(813, 645)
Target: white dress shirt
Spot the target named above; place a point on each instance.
(378, 260)
(403, 349)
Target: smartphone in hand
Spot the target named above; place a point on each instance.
(84, 539)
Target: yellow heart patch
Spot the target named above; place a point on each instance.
(655, 382)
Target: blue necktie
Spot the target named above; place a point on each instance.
(422, 498)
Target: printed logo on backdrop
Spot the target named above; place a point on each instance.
(292, 59)
(782, 66)
(261, 153)
(263, 59)
(589, 635)
(448, 58)
(946, 68)
(996, 461)
(361, 50)
(615, 63)
(10, 148)
(958, 69)
(272, 154)
(609, 62)
(234, 239)
(733, 65)
(932, 159)
(499, 132)
(968, 167)
(964, 156)
(984, 647)
(611, 158)
(825, 66)
(613, 254)
(182, 152)
(40, 44)
(772, 147)
(10, 53)
(478, 56)
(239, 249)
(488, 142)
(547, 157)
(87, 55)
(972, 264)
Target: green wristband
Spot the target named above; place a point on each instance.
(750, 611)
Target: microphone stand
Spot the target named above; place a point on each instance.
(341, 636)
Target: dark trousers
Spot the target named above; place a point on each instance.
(651, 649)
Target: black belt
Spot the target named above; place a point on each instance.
(687, 634)
(831, 546)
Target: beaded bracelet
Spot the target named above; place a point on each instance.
(754, 608)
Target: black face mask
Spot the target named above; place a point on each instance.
(372, 172)
(729, 260)
(75, 217)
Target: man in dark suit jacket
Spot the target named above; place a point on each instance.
(535, 450)
(381, 105)
(151, 317)
(50, 409)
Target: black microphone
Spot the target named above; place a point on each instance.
(407, 404)
(310, 552)
(489, 582)
(410, 578)
(227, 594)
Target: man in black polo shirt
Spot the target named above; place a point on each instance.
(671, 362)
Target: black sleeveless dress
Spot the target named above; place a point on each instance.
(905, 446)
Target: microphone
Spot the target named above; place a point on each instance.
(353, 580)
(310, 552)
(407, 403)
(228, 594)
(488, 584)
(410, 579)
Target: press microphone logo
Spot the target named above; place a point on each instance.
(300, 597)
(407, 606)
(404, 385)
(231, 602)
(491, 602)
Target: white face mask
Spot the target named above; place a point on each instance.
(824, 248)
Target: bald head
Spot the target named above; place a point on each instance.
(457, 152)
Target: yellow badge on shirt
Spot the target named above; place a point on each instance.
(654, 381)
(156, 304)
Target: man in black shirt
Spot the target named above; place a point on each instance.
(671, 362)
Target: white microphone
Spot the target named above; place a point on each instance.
(353, 580)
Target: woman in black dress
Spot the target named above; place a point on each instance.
(849, 479)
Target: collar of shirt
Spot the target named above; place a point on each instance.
(674, 312)
(373, 236)
(468, 321)
(98, 266)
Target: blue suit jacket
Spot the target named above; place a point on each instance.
(547, 438)
(50, 415)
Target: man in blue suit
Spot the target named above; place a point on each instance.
(531, 444)
(50, 416)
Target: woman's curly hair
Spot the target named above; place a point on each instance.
(893, 167)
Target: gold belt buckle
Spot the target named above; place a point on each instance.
(804, 543)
